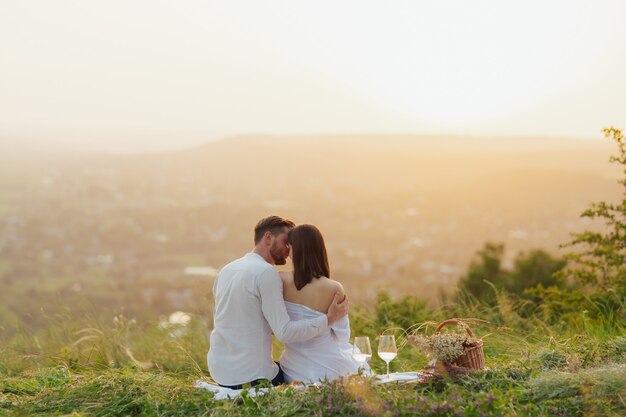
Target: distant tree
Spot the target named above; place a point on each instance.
(600, 264)
(536, 267)
(530, 269)
(486, 267)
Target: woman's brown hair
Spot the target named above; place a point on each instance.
(308, 254)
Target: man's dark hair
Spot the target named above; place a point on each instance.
(308, 254)
(273, 224)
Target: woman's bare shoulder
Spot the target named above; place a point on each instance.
(332, 287)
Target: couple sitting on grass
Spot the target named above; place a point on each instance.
(304, 309)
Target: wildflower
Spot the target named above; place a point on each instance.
(446, 347)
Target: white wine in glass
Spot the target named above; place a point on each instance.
(387, 349)
(362, 350)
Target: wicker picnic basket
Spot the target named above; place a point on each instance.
(474, 356)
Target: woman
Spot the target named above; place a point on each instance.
(308, 292)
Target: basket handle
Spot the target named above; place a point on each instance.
(457, 322)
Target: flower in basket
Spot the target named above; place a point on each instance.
(446, 347)
(452, 350)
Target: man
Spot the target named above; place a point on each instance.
(249, 307)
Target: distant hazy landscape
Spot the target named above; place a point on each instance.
(147, 232)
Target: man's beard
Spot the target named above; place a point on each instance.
(277, 256)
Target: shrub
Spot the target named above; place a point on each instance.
(600, 264)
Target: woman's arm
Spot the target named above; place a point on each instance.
(341, 328)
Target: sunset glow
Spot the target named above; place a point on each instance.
(486, 67)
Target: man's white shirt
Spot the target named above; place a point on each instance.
(249, 306)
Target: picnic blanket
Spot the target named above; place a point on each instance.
(402, 377)
(222, 393)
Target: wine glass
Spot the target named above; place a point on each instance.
(387, 349)
(361, 350)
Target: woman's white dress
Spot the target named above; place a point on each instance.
(327, 356)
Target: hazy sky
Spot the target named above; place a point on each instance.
(482, 67)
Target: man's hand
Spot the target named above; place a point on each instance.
(338, 308)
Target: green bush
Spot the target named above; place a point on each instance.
(486, 276)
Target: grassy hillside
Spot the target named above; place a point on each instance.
(125, 368)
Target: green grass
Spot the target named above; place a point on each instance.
(116, 367)
(512, 390)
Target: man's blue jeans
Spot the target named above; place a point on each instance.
(278, 380)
